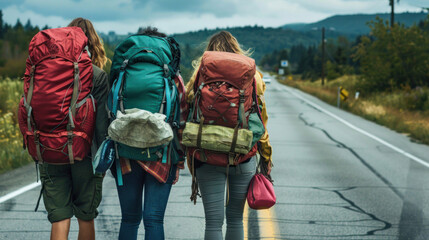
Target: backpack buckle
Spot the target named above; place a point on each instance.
(124, 64)
(242, 97)
(70, 137)
(33, 67)
(36, 137)
(166, 70)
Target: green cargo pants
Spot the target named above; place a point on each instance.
(71, 189)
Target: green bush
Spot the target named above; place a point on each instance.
(10, 94)
(415, 99)
(392, 57)
(12, 155)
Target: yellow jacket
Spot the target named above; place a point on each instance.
(266, 149)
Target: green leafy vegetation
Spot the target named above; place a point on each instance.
(14, 42)
(12, 154)
(394, 57)
(307, 61)
(393, 80)
(396, 110)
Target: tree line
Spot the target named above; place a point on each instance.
(14, 40)
(389, 58)
(307, 60)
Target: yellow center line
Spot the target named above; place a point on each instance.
(245, 220)
(268, 229)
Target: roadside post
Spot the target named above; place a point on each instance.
(323, 56)
(342, 95)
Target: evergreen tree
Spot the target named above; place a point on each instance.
(28, 26)
(18, 25)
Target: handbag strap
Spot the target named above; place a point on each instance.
(262, 168)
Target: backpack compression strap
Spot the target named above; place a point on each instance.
(27, 104)
(176, 122)
(72, 111)
(116, 99)
(168, 97)
(241, 113)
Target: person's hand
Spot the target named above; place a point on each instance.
(269, 166)
(177, 176)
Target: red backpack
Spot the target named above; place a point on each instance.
(57, 113)
(224, 90)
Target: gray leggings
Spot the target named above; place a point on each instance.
(212, 182)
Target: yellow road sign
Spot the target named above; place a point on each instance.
(344, 94)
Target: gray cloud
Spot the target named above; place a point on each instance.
(98, 10)
(110, 10)
(6, 3)
(219, 8)
(174, 16)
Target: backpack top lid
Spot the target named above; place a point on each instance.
(66, 42)
(134, 44)
(139, 41)
(236, 69)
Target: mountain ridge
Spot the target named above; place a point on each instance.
(356, 24)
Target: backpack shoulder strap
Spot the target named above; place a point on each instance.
(117, 88)
(168, 98)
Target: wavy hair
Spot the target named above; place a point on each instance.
(95, 46)
(222, 41)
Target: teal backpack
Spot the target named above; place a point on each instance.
(143, 71)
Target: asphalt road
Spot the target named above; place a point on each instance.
(336, 177)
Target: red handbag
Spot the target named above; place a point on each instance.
(260, 194)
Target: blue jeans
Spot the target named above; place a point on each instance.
(211, 181)
(155, 202)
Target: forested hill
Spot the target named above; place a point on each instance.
(261, 40)
(356, 24)
(266, 40)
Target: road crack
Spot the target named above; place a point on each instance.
(354, 153)
(352, 206)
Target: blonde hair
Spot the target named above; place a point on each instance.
(96, 48)
(222, 41)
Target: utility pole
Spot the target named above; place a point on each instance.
(392, 14)
(323, 56)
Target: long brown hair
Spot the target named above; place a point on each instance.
(96, 48)
(222, 41)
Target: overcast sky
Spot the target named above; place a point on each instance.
(177, 16)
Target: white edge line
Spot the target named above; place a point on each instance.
(416, 159)
(19, 191)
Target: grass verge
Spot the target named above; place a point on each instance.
(12, 155)
(395, 110)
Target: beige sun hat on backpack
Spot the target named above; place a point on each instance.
(140, 128)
